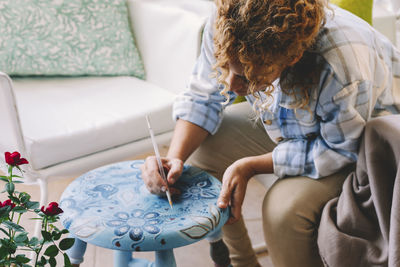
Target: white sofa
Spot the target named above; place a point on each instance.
(67, 126)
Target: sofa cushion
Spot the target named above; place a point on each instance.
(80, 116)
(71, 37)
(178, 26)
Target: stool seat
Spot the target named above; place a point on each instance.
(111, 207)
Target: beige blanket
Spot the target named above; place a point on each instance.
(362, 226)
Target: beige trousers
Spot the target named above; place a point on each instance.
(292, 206)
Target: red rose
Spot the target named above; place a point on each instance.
(7, 203)
(52, 209)
(14, 159)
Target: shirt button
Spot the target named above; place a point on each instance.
(311, 135)
(279, 139)
(268, 122)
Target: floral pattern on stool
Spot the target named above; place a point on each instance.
(111, 207)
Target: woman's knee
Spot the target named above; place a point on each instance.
(291, 213)
(286, 216)
(293, 206)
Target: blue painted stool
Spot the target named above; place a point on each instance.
(111, 207)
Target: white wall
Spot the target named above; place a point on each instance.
(386, 19)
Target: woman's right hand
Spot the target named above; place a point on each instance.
(152, 178)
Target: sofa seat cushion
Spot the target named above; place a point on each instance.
(67, 118)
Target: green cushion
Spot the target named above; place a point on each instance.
(239, 99)
(67, 37)
(361, 8)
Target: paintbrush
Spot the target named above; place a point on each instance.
(157, 154)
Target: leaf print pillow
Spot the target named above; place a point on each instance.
(67, 37)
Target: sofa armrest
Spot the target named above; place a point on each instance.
(168, 36)
(10, 132)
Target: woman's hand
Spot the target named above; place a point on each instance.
(153, 179)
(234, 184)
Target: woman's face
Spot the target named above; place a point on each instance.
(238, 82)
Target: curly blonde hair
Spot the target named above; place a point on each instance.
(268, 33)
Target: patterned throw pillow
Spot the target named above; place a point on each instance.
(67, 37)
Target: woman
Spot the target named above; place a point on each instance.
(314, 75)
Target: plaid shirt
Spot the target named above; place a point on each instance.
(360, 79)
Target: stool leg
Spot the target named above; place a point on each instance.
(122, 258)
(165, 258)
(125, 259)
(76, 252)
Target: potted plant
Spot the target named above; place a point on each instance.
(15, 241)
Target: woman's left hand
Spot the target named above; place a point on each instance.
(234, 184)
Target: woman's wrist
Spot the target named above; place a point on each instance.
(260, 164)
(245, 165)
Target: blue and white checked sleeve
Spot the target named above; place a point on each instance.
(201, 103)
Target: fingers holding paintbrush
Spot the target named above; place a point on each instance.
(152, 177)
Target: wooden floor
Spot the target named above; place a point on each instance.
(194, 255)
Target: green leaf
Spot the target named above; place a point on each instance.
(56, 235)
(22, 259)
(52, 262)
(67, 262)
(42, 261)
(52, 219)
(19, 209)
(34, 241)
(24, 197)
(14, 226)
(18, 182)
(51, 251)
(55, 228)
(12, 260)
(10, 188)
(5, 262)
(21, 238)
(4, 231)
(4, 178)
(64, 231)
(4, 211)
(4, 252)
(46, 236)
(14, 199)
(10, 246)
(32, 205)
(66, 243)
